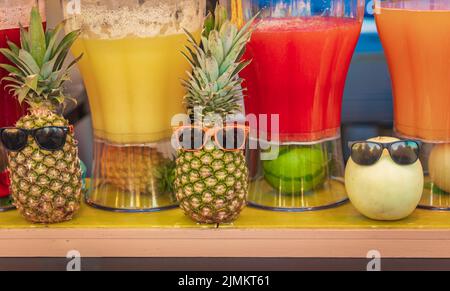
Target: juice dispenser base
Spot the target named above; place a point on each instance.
(303, 177)
(435, 159)
(6, 204)
(132, 178)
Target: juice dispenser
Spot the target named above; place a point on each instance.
(12, 12)
(132, 66)
(416, 38)
(300, 53)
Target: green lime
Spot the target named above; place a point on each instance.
(297, 169)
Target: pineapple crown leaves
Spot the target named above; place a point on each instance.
(214, 85)
(38, 74)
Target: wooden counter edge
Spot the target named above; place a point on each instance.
(252, 243)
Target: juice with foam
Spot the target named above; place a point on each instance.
(132, 69)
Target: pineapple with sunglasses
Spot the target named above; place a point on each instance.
(211, 180)
(43, 156)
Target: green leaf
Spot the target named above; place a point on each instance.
(212, 67)
(74, 62)
(37, 37)
(229, 60)
(23, 94)
(194, 82)
(227, 34)
(60, 60)
(194, 56)
(54, 76)
(201, 76)
(241, 66)
(220, 15)
(48, 36)
(10, 69)
(64, 47)
(68, 40)
(188, 58)
(52, 36)
(29, 61)
(32, 82)
(15, 59)
(14, 87)
(24, 38)
(13, 47)
(12, 80)
(59, 99)
(205, 43)
(226, 77)
(246, 30)
(47, 68)
(208, 25)
(216, 47)
(190, 37)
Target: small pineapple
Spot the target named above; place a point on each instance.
(46, 185)
(212, 184)
(133, 168)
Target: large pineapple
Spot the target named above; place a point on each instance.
(46, 185)
(212, 184)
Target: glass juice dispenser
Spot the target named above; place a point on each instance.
(132, 66)
(300, 51)
(12, 12)
(416, 39)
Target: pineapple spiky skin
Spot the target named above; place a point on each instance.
(46, 186)
(211, 184)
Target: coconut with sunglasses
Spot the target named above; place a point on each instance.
(43, 155)
(384, 178)
(211, 173)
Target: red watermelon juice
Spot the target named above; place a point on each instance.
(298, 70)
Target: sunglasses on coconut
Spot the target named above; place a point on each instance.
(227, 138)
(367, 153)
(49, 138)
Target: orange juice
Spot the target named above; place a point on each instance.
(416, 38)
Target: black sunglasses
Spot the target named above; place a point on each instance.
(367, 153)
(49, 138)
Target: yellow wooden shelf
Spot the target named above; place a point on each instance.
(338, 232)
(343, 217)
(91, 218)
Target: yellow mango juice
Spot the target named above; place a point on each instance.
(133, 85)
